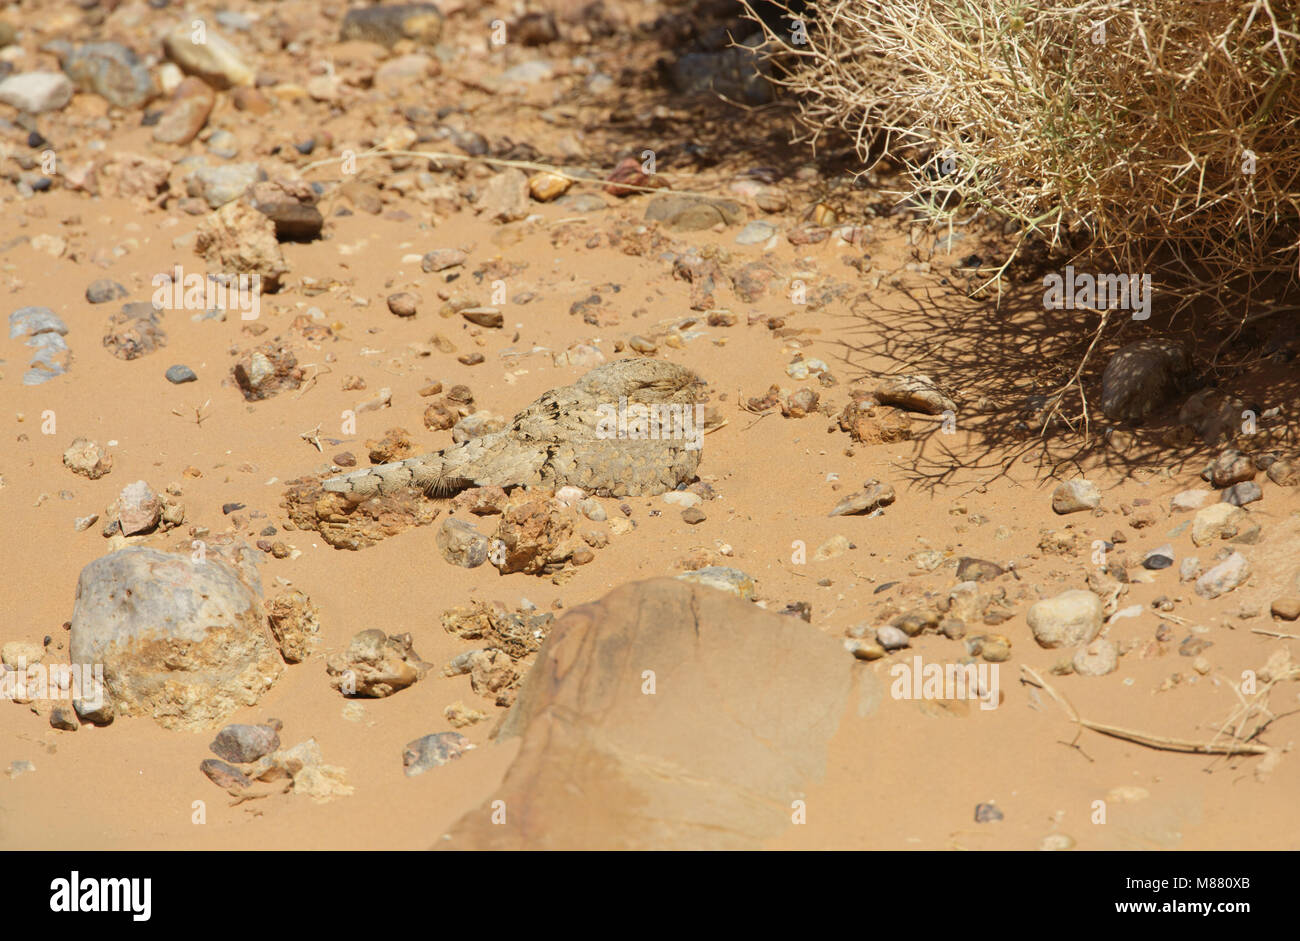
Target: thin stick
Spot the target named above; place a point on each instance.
(1142, 738)
(1258, 630)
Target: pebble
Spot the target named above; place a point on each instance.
(1217, 521)
(215, 60)
(430, 751)
(1073, 496)
(693, 516)
(64, 718)
(1286, 608)
(874, 497)
(594, 510)
(224, 184)
(1231, 467)
(892, 638)
(112, 71)
(1245, 492)
(682, 498)
(1096, 659)
(180, 373)
(484, 316)
(1189, 499)
(242, 744)
(36, 92)
(224, 775)
(104, 290)
(987, 813)
(403, 304)
(139, 508)
(1070, 619)
(1160, 558)
(440, 259)
(755, 233)
(388, 25)
(732, 581)
(1224, 577)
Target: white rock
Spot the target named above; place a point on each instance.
(36, 92)
(1071, 619)
(1224, 577)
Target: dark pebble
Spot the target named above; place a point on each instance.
(223, 775)
(178, 374)
(987, 813)
(244, 743)
(228, 508)
(305, 147)
(104, 290)
(345, 459)
(65, 718)
(34, 139)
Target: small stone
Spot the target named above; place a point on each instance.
(36, 92)
(1189, 568)
(433, 750)
(484, 316)
(139, 508)
(546, 186)
(179, 374)
(1231, 467)
(732, 581)
(461, 715)
(212, 57)
(987, 813)
(461, 544)
(224, 184)
(242, 744)
(224, 775)
(1189, 499)
(874, 497)
(440, 259)
(832, 548)
(977, 570)
(1286, 608)
(1284, 473)
(1217, 521)
(1096, 659)
(693, 516)
(1224, 577)
(1161, 558)
(64, 718)
(20, 654)
(892, 638)
(1245, 492)
(88, 459)
(186, 114)
(403, 304)
(755, 233)
(388, 25)
(1070, 619)
(104, 290)
(1073, 496)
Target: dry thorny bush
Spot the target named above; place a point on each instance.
(1154, 136)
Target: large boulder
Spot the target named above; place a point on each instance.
(665, 716)
(184, 641)
(1142, 377)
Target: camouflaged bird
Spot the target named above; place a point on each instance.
(628, 428)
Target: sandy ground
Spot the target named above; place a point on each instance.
(908, 774)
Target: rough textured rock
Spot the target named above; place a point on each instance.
(1142, 377)
(291, 205)
(504, 198)
(869, 423)
(604, 765)
(183, 641)
(295, 624)
(242, 744)
(562, 439)
(240, 240)
(355, 524)
(388, 25)
(875, 496)
(914, 393)
(112, 71)
(376, 665)
(1073, 496)
(139, 508)
(135, 331)
(1217, 521)
(266, 371)
(1070, 619)
(88, 459)
(187, 112)
(36, 92)
(533, 536)
(519, 632)
(1224, 577)
(430, 751)
(461, 544)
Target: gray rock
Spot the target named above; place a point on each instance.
(1161, 558)
(36, 92)
(692, 213)
(112, 71)
(1073, 496)
(738, 73)
(1224, 577)
(528, 73)
(32, 321)
(505, 196)
(1245, 492)
(755, 233)
(581, 202)
(242, 744)
(892, 638)
(179, 374)
(977, 570)
(1189, 569)
(430, 751)
(182, 641)
(440, 259)
(1142, 377)
(387, 25)
(104, 290)
(64, 718)
(1070, 619)
(1189, 499)
(461, 544)
(224, 775)
(225, 184)
(223, 144)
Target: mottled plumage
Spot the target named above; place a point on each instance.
(563, 439)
